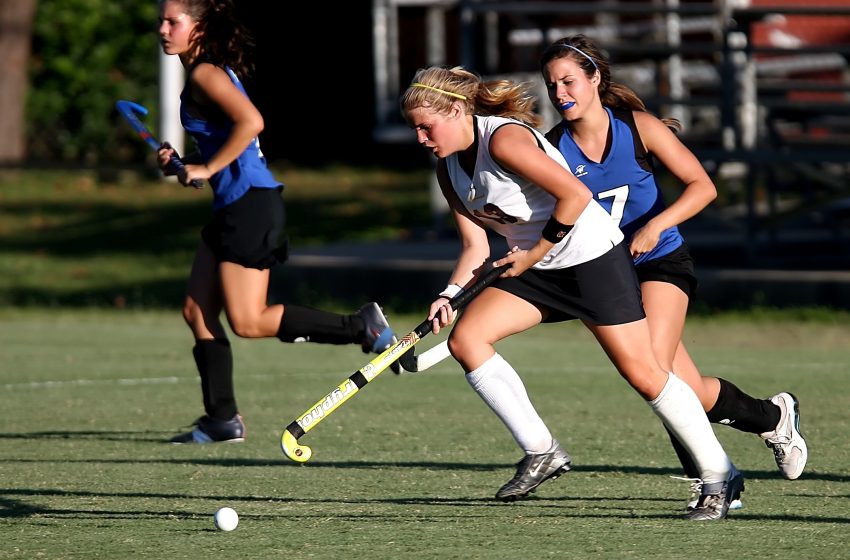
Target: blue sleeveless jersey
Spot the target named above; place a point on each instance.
(623, 183)
(210, 133)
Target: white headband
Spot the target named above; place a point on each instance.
(581, 52)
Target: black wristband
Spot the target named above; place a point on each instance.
(554, 231)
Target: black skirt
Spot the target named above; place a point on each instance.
(675, 268)
(604, 291)
(250, 231)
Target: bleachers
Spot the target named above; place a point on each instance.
(763, 91)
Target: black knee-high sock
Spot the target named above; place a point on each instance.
(312, 325)
(685, 458)
(215, 365)
(736, 409)
(201, 364)
(743, 412)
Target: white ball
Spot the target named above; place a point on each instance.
(226, 519)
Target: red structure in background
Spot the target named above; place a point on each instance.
(799, 30)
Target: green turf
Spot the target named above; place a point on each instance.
(406, 469)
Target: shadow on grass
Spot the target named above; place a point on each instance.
(624, 507)
(161, 438)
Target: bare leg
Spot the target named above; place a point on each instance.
(666, 308)
(683, 363)
(203, 304)
(492, 316)
(630, 350)
(245, 292)
(212, 353)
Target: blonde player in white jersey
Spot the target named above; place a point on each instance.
(567, 262)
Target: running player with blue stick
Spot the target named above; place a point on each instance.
(609, 140)
(245, 236)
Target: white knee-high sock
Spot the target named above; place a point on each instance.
(680, 410)
(501, 388)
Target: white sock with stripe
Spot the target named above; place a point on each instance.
(499, 385)
(679, 408)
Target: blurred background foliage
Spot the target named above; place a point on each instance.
(87, 54)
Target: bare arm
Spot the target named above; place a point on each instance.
(699, 190)
(475, 246)
(515, 148)
(213, 87)
(474, 251)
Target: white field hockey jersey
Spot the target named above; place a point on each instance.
(517, 209)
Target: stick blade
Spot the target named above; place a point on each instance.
(411, 362)
(290, 447)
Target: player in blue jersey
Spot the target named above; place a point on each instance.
(609, 141)
(245, 237)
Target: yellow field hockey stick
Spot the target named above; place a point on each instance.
(357, 380)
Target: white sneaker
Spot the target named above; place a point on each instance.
(789, 446)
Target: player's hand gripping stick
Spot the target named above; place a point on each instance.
(130, 111)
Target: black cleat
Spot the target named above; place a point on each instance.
(533, 470)
(716, 498)
(212, 430)
(379, 335)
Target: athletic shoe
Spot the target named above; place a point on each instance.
(533, 470)
(696, 491)
(789, 447)
(379, 335)
(212, 430)
(716, 498)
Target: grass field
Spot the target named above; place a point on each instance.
(408, 468)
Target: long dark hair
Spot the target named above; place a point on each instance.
(220, 38)
(584, 52)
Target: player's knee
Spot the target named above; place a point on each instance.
(646, 378)
(192, 313)
(459, 343)
(245, 326)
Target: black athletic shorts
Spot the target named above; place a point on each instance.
(604, 291)
(675, 268)
(249, 231)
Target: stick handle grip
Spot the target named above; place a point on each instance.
(129, 110)
(176, 166)
(466, 296)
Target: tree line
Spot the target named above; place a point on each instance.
(64, 64)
